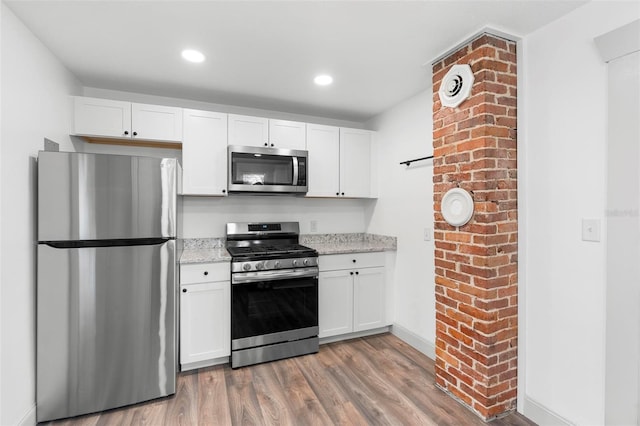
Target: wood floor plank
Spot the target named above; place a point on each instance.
(302, 401)
(409, 379)
(183, 408)
(243, 402)
(352, 387)
(212, 390)
(375, 380)
(272, 397)
(339, 408)
(370, 375)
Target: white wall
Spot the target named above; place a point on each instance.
(206, 216)
(563, 134)
(404, 210)
(34, 105)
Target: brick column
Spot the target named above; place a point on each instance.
(476, 264)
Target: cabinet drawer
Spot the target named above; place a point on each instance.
(205, 272)
(335, 262)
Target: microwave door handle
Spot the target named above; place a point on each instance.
(295, 171)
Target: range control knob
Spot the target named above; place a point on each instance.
(305, 262)
(259, 266)
(295, 262)
(276, 264)
(246, 266)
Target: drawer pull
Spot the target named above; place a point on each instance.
(206, 272)
(184, 290)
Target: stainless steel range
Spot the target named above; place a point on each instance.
(274, 293)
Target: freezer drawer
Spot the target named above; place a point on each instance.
(99, 196)
(106, 319)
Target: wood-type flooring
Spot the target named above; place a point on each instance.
(375, 380)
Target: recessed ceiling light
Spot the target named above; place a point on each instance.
(323, 80)
(192, 55)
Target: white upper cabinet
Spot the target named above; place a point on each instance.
(101, 117)
(287, 134)
(156, 123)
(355, 163)
(257, 131)
(248, 131)
(125, 120)
(339, 162)
(204, 153)
(323, 144)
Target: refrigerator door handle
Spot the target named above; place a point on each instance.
(106, 243)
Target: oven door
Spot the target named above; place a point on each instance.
(273, 311)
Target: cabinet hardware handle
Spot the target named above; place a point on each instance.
(184, 290)
(354, 261)
(271, 144)
(224, 191)
(357, 273)
(206, 272)
(135, 133)
(337, 193)
(351, 273)
(342, 193)
(126, 132)
(266, 144)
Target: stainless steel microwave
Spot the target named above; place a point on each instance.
(266, 170)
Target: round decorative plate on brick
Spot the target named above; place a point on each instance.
(457, 207)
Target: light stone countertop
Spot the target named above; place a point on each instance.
(348, 243)
(205, 255)
(211, 250)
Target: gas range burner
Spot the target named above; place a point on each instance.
(257, 250)
(272, 249)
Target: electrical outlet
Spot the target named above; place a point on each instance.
(314, 226)
(591, 230)
(427, 234)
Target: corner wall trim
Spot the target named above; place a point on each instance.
(542, 415)
(426, 347)
(466, 40)
(619, 42)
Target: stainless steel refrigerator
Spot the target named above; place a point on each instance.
(106, 282)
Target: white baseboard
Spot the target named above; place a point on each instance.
(354, 335)
(541, 415)
(29, 419)
(205, 363)
(426, 347)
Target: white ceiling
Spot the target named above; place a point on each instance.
(264, 54)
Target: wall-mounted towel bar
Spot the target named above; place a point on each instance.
(408, 162)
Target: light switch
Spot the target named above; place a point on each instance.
(427, 234)
(314, 226)
(590, 229)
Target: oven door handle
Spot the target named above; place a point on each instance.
(279, 274)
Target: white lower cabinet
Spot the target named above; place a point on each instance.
(205, 314)
(351, 293)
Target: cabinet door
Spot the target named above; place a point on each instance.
(248, 131)
(323, 144)
(204, 153)
(205, 321)
(368, 297)
(335, 303)
(156, 122)
(287, 134)
(355, 163)
(101, 117)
